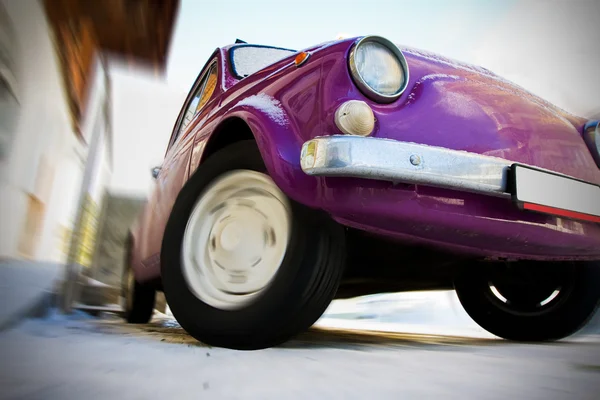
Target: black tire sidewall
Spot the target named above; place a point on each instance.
(560, 321)
(143, 297)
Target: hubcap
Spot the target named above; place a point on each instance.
(235, 239)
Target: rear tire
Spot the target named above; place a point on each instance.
(530, 301)
(138, 299)
(298, 293)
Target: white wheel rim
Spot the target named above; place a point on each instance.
(235, 239)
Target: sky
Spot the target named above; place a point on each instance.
(535, 43)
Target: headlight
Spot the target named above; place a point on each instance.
(591, 135)
(378, 68)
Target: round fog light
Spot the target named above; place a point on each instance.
(355, 117)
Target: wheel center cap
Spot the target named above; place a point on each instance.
(231, 236)
(236, 239)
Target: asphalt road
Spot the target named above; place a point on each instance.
(81, 357)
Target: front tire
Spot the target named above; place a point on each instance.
(243, 266)
(530, 301)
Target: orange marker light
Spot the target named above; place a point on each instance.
(301, 58)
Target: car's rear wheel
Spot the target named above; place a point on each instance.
(530, 301)
(137, 299)
(243, 266)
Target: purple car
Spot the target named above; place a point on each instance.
(358, 167)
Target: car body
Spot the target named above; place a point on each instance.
(438, 170)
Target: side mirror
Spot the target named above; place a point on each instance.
(155, 172)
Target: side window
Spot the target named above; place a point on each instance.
(203, 93)
(209, 87)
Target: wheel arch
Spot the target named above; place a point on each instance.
(279, 144)
(229, 131)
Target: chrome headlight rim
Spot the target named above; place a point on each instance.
(362, 84)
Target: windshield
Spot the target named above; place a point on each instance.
(247, 59)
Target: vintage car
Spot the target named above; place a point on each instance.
(357, 167)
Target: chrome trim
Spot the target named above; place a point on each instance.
(391, 160)
(359, 81)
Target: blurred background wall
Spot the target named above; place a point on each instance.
(61, 64)
(42, 158)
(143, 110)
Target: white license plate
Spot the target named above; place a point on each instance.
(555, 194)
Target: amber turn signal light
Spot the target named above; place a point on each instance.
(301, 58)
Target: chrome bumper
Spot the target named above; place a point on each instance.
(391, 160)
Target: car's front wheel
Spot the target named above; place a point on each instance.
(530, 301)
(243, 266)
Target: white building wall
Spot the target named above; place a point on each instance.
(96, 121)
(45, 160)
(60, 221)
(43, 132)
(62, 211)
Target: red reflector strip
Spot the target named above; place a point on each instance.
(561, 212)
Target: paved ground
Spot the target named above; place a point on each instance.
(81, 357)
(24, 288)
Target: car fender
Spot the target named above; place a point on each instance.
(279, 140)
